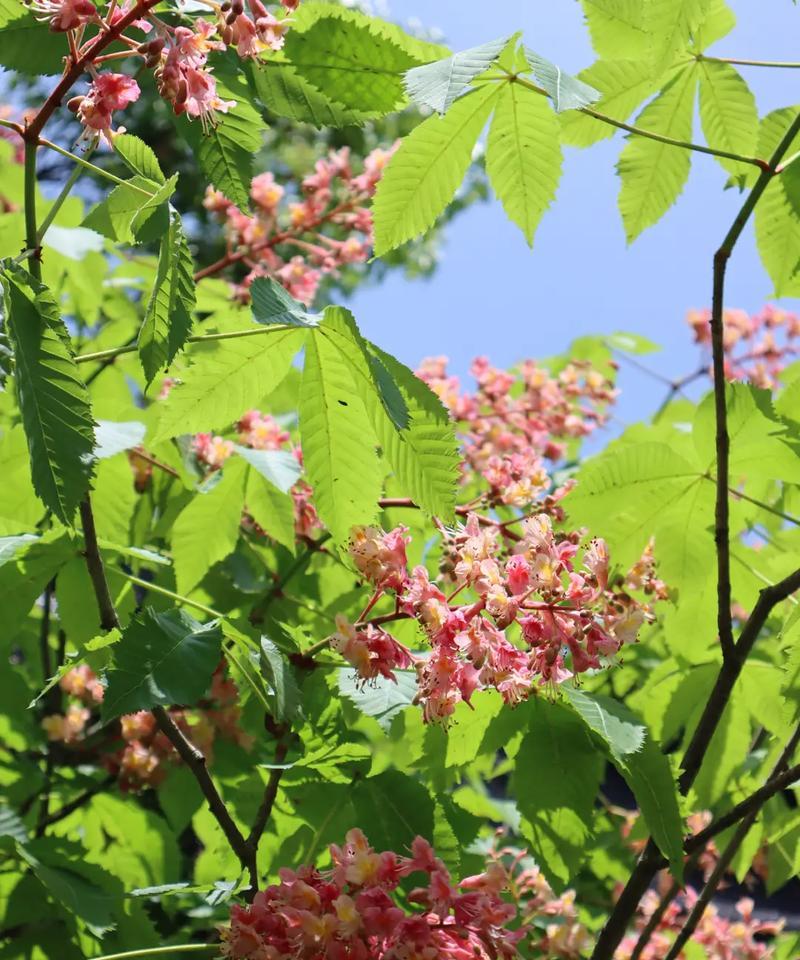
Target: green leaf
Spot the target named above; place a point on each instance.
(777, 223)
(427, 169)
(225, 151)
(130, 208)
(138, 157)
(623, 733)
(470, 722)
(438, 85)
(653, 174)
(52, 397)
(717, 23)
(272, 510)
(728, 113)
(393, 809)
(623, 85)
(381, 698)
(278, 466)
(338, 440)
(27, 46)
(352, 62)
(206, 530)
(163, 659)
(757, 439)
(566, 92)
(23, 579)
(524, 156)
(285, 93)
(556, 778)
(640, 761)
(168, 317)
(649, 490)
(617, 28)
(233, 376)
(272, 303)
(280, 677)
(412, 426)
(670, 24)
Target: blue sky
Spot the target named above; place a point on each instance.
(493, 295)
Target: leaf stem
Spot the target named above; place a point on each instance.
(162, 951)
(254, 331)
(58, 203)
(31, 227)
(739, 62)
(651, 134)
(155, 588)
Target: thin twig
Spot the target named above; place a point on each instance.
(80, 801)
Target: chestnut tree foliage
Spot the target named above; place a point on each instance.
(310, 654)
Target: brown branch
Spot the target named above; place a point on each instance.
(74, 70)
(270, 793)
(727, 856)
(195, 760)
(648, 864)
(97, 573)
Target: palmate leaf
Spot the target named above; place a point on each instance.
(437, 85)
(425, 172)
(556, 779)
(134, 210)
(168, 317)
(717, 23)
(728, 113)
(27, 46)
(394, 809)
(566, 92)
(653, 174)
(206, 530)
(279, 467)
(162, 659)
(382, 699)
(523, 157)
(623, 85)
(53, 399)
(234, 376)
(411, 425)
(339, 444)
(277, 671)
(777, 223)
(640, 761)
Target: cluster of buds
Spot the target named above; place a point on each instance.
(141, 758)
(514, 426)
(534, 616)
(178, 55)
(354, 910)
(326, 227)
(757, 346)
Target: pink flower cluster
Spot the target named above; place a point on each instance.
(556, 931)
(177, 55)
(328, 226)
(142, 759)
(515, 423)
(535, 615)
(757, 346)
(354, 911)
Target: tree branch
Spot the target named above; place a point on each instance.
(727, 856)
(647, 865)
(270, 793)
(80, 801)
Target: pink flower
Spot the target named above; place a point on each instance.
(201, 97)
(65, 14)
(300, 280)
(108, 92)
(266, 192)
